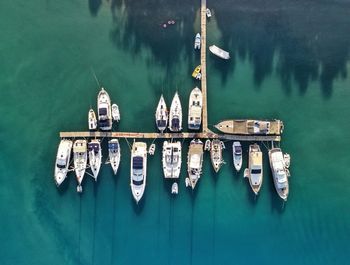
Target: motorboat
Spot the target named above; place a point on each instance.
(197, 72)
(152, 149)
(171, 159)
(237, 155)
(280, 173)
(161, 115)
(194, 163)
(114, 154)
(254, 172)
(92, 120)
(175, 115)
(95, 157)
(138, 169)
(63, 160)
(251, 127)
(208, 12)
(195, 109)
(207, 145)
(216, 154)
(174, 188)
(197, 41)
(104, 111)
(80, 161)
(115, 112)
(219, 52)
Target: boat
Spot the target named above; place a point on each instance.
(219, 52)
(171, 159)
(174, 188)
(237, 155)
(80, 161)
(254, 172)
(207, 145)
(115, 112)
(138, 169)
(216, 154)
(104, 111)
(286, 158)
(161, 115)
(197, 41)
(194, 163)
(251, 127)
(197, 72)
(195, 109)
(152, 149)
(280, 173)
(208, 13)
(114, 154)
(95, 157)
(62, 160)
(175, 115)
(92, 120)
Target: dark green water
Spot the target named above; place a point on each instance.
(290, 60)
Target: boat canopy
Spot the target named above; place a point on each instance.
(175, 123)
(195, 161)
(79, 148)
(113, 146)
(103, 111)
(137, 162)
(161, 123)
(238, 150)
(103, 123)
(94, 147)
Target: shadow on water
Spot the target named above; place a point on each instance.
(94, 6)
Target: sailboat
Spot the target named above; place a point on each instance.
(95, 157)
(80, 161)
(62, 160)
(114, 154)
(175, 115)
(171, 159)
(161, 115)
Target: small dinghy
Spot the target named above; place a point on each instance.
(115, 113)
(92, 120)
(208, 13)
(207, 145)
(286, 158)
(152, 149)
(174, 188)
(197, 41)
(237, 155)
(222, 145)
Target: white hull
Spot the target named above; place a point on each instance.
(92, 120)
(195, 109)
(254, 172)
(138, 170)
(171, 159)
(114, 154)
(175, 115)
(237, 155)
(216, 154)
(80, 159)
(115, 113)
(194, 163)
(95, 157)
(197, 41)
(280, 172)
(104, 110)
(62, 161)
(219, 52)
(161, 115)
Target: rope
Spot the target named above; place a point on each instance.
(126, 139)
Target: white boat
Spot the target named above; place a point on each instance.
(254, 172)
(115, 112)
(219, 52)
(152, 149)
(161, 115)
(114, 154)
(174, 188)
(104, 111)
(208, 13)
(256, 127)
(62, 160)
(175, 115)
(80, 161)
(286, 158)
(171, 159)
(216, 154)
(95, 157)
(195, 109)
(197, 41)
(138, 170)
(92, 120)
(207, 145)
(194, 163)
(237, 155)
(280, 173)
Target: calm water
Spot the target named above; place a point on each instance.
(290, 61)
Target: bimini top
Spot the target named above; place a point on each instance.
(137, 162)
(113, 146)
(102, 111)
(94, 147)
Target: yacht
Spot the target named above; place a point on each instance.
(92, 120)
(115, 112)
(254, 172)
(62, 160)
(171, 159)
(197, 41)
(194, 163)
(195, 109)
(252, 127)
(216, 154)
(237, 155)
(104, 111)
(219, 52)
(138, 170)
(114, 154)
(95, 157)
(175, 115)
(280, 173)
(80, 161)
(161, 115)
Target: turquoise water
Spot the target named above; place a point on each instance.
(290, 61)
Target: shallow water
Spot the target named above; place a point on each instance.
(290, 61)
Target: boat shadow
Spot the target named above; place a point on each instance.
(277, 204)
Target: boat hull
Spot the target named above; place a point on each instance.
(277, 165)
(216, 154)
(138, 170)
